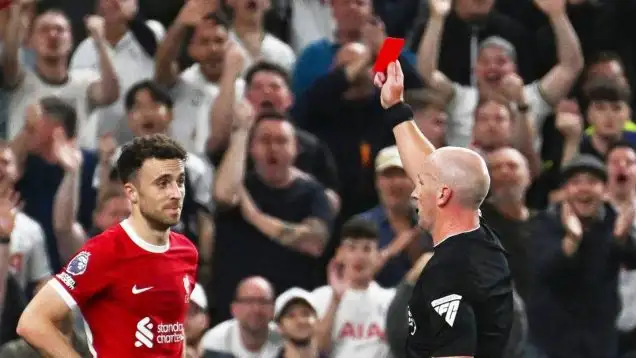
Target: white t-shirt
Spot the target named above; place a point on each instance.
(225, 338)
(132, 65)
(32, 88)
(359, 326)
(272, 50)
(193, 97)
(28, 260)
(311, 21)
(461, 113)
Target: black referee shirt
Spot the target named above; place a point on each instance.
(462, 304)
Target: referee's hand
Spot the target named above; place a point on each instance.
(391, 84)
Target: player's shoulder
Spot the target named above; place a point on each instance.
(178, 240)
(218, 338)
(110, 239)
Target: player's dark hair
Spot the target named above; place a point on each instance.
(157, 92)
(219, 18)
(61, 112)
(358, 228)
(605, 89)
(619, 145)
(136, 152)
(265, 66)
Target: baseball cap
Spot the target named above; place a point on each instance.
(290, 296)
(584, 163)
(387, 158)
(198, 297)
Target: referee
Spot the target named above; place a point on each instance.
(462, 304)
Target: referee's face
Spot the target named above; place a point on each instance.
(424, 196)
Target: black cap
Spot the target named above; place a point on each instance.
(584, 163)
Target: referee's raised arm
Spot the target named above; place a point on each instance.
(412, 144)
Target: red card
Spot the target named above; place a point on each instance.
(390, 51)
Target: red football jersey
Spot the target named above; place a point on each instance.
(133, 295)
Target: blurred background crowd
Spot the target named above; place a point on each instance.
(296, 196)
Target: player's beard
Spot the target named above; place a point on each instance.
(158, 221)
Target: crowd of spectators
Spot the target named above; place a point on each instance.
(296, 196)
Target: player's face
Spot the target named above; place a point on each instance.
(359, 256)
(299, 322)
(208, 45)
(584, 191)
(269, 88)
(394, 189)
(492, 127)
(509, 174)
(148, 116)
(273, 149)
(51, 37)
(608, 118)
(493, 64)
(159, 191)
(621, 169)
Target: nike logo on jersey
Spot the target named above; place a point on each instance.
(137, 291)
(447, 307)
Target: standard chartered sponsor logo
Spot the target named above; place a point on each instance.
(67, 280)
(164, 333)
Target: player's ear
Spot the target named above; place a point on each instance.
(131, 193)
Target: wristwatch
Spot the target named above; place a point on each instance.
(5, 241)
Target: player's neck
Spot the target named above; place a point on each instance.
(147, 233)
(454, 222)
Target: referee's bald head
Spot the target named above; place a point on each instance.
(459, 177)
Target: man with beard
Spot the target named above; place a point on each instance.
(250, 333)
(506, 212)
(295, 314)
(495, 65)
(132, 283)
(578, 249)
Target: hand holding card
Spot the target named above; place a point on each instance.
(390, 51)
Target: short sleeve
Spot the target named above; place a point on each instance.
(85, 275)
(320, 207)
(454, 320)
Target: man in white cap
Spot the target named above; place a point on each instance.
(197, 320)
(297, 319)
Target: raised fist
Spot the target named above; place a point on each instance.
(95, 26)
(234, 58)
(440, 7)
(391, 84)
(193, 12)
(569, 121)
(512, 87)
(551, 7)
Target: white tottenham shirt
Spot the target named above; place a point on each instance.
(132, 65)
(359, 326)
(225, 339)
(28, 260)
(32, 88)
(461, 113)
(272, 50)
(193, 96)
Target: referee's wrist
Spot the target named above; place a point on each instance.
(398, 114)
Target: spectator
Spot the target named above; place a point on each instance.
(429, 115)
(49, 133)
(354, 23)
(112, 208)
(250, 333)
(395, 218)
(132, 44)
(310, 21)
(470, 22)
(196, 89)
(579, 246)
(352, 308)
(51, 40)
(621, 192)
(607, 111)
(267, 90)
(495, 63)
(506, 212)
(23, 251)
(296, 317)
(273, 214)
(249, 33)
(197, 320)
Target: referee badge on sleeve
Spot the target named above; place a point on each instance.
(447, 307)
